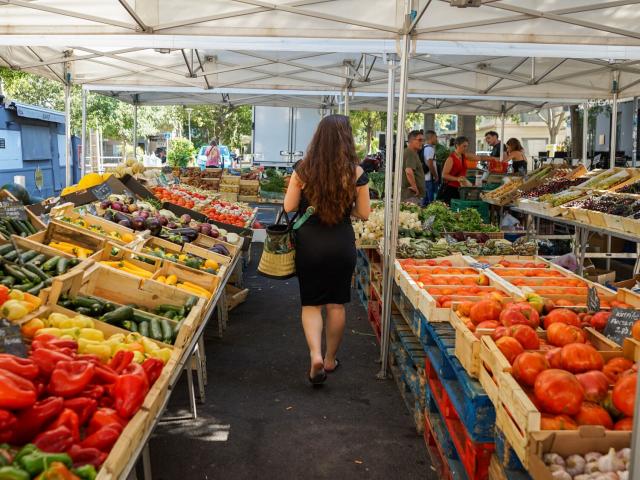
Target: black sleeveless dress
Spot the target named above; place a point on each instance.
(325, 257)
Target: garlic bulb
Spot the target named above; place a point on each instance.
(592, 467)
(553, 459)
(623, 475)
(591, 456)
(575, 465)
(624, 454)
(610, 462)
(561, 474)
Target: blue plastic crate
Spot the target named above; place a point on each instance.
(471, 402)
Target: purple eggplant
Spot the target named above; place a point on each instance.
(117, 206)
(105, 204)
(138, 223)
(185, 219)
(162, 219)
(172, 225)
(154, 226)
(125, 223)
(214, 233)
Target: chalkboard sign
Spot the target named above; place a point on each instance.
(428, 223)
(619, 324)
(102, 191)
(480, 266)
(12, 209)
(593, 300)
(11, 339)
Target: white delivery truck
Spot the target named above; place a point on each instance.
(281, 134)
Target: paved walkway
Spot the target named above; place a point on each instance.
(262, 419)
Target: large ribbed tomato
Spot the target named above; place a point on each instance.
(624, 424)
(593, 414)
(616, 367)
(526, 335)
(485, 310)
(510, 348)
(558, 391)
(527, 366)
(561, 334)
(557, 422)
(553, 358)
(561, 315)
(580, 357)
(624, 393)
(520, 314)
(595, 385)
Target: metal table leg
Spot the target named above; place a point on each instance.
(198, 360)
(146, 463)
(203, 357)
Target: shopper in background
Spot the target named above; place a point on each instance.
(493, 140)
(413, 179)
(454, 173)
(213, 155)
(431, 178)
(329, 179)
(515, 153)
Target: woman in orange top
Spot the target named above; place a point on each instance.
(454, 172)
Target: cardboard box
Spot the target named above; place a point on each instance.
(600, 275)
(630, 284)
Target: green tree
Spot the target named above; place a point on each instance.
(225, 123)
(365, 124)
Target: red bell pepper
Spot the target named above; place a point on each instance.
(68, 418)
(106, 402)
(103, 439)
(104, 417)
(93, 391)
(153, 368)
(129, 390)
(32, 420)
(56, 440)
(57, 471)
(4, 294)
(121, 360)
(54, 343)
(20, 366)
(86, 456)
(8, 421)
(47, 359)
(69, 378)
(105, 375)
(16, 392)
(84, 407)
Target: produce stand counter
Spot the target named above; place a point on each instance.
(218, 301)
(581, 236)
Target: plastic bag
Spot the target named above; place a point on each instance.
(508, 222)
(568, 261)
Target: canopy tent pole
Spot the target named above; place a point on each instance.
(502, 112)
(635, 137)
(67, 124)
(387, 272)
(135, 126)
(346, 92)
(585, 134)
(614, 120)
(83, 148)
(392, 240)
(634, 463)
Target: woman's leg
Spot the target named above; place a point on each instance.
(335, 330)
(312, 325)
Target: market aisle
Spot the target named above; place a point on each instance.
(263, 420)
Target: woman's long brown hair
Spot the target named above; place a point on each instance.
(328, 170)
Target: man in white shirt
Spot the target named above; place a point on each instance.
(431, 171)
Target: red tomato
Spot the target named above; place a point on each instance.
(561, 315)
(558, 391)
(500, 332)
(616, 367)
(579, 357)
(635, 330)
(595, 385)
(561, 334)
(599, 320)
(553, 358)
(488, 324)
(624, 393)
(527, 366)
(485, 310)
(624, 424)
(520, 314)
(593, 414)
(526, 336)
(557, 422)
(510, 348)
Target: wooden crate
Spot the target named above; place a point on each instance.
(153, 242)
(205, 280)
(120, 454)
(124, 235)
(206, 242)
(112, 252)
(467, 345)
(543, 208)
(62, 232)
(631, 226)
(230, 179)
(228, 196)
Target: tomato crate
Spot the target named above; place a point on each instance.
(475, 456)
(439, 445)
(466, 395)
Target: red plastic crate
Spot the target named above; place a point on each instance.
(475, 457)
(375, 312)
(433, 447)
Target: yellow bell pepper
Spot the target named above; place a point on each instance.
(161, 279)
(67, 337)
(172, 280)
(138, 357)
(91, 334)
(16, 295)
(208, 263)
(101, 349)
(32, 299)
(114, 341)
(163, 354)
(56, 332)
(149, 345)
(83, 321)
(57, 319)
(127, 237)
(130, 347)
(14, 309)
(133, 337)
(73, 331)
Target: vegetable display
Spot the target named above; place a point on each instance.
(610, 203)
(614, 465)
(82, 223)
(424, 249)
(187, 259)
(10, 226)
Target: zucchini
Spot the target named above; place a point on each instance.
(35, 270)
(51, 263)
(130, 325)
(66, 303)
(30, 226)
(168, 314)
(61, 266)
(15, 272)
(176, 330)
(48, 282)
(10, 227)
(140, 316)
(32, 277)
(86, 302)
(118, 316)
(167, 331)
(190, 303)
(12, 256)
(19, 228)
(155, 329)
(84, 311)
(4, 249)
(35, 290)
(23, 287)
(28, 255)
(8, 281)
(143, 329)
(38, 260)
(73, 262)
(110, 307)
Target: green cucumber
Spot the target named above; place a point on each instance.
(4, 249)
(176, 330)
(35, 270)
(30, 226)
(190, 303)
(15, 272)
(51, 263)
(23, 287)
(84, 311)
(140, 316)
(38, 260)
(143, 328)
(35, 290)
(8, 281)
(168, 314)
(28, 255)
(118, 316)
(18, 227)
(167, 331)
(32, 277)
(86, 302)
(61, 266)
(130, 325)
(66, 303)
(12, 256)
(155, 329)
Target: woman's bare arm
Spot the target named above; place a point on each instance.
(294, 192)
(362, 208)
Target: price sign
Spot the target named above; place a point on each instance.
(428, 223)
(480, 266)
(619, 324)
(593, 300)
(102, 191)
(12, 209)
(39, 178)
(11, 339)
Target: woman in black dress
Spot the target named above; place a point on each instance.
(329, 179)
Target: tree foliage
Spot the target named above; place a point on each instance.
(226, 124)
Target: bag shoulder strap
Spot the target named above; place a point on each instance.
(298, 223)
